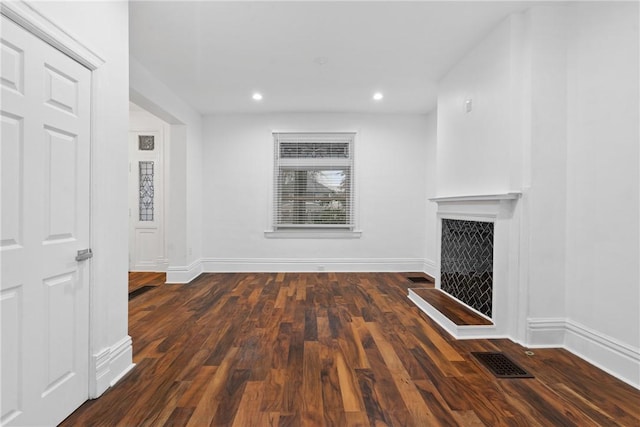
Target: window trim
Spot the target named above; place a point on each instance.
(331, 232)
(313, 234)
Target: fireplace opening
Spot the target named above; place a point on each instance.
(466, 268)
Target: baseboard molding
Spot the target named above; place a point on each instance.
(545, 332)
(109, 365)
(612, 356)
(184, 274)
(310, 265)
(429, 267)
(151, 267)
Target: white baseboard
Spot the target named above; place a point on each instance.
(612, 356)
(184, 274)
(429, 267)
(547, 332)
(109, 365)
(159, 265)
(308, 265)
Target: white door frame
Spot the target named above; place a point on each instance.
(40, 26)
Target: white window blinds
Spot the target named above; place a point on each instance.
(313, 180)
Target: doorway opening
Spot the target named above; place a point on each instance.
(148, 173)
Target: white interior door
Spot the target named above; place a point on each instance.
(146, 233)
(44, 296)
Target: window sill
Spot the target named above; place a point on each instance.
(312, 234)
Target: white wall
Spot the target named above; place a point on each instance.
(546, 155)
(390, 184)
(475, 149)
(430, 165)
(602, 234)
(184, 224)
(103, 28)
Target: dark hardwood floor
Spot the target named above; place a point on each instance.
(139, 279)
(335, 350)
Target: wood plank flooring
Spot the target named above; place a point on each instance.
(332, 350)
(138, 279)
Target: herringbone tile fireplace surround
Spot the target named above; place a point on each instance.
(466, 268)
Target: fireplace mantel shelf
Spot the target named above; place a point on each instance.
(478, 197)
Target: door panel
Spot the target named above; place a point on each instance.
(61, 91)
(60, 193)
(146, 236)
(11, 316)
(12, 67)
(12, 183)
(45, 151)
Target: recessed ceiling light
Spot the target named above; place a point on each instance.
(321, 60)
(257, 96)
(378, 96)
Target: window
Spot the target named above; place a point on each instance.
(146, 191)
(313, 181)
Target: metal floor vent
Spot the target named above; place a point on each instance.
(500, 365)
(140, 291)
(418, 279)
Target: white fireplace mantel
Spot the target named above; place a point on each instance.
(501, 210)
(512, 195)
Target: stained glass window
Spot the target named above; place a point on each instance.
(146, 191)
(146, 142)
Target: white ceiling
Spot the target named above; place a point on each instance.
(308, 56)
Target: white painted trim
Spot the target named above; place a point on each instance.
(109, 365)
(162, 264)
(184, 274)
(120, 359)
(583, 332)
(512, 195)
(355, 232)
(226, 265)
(312, 234)
(23, 14)
(429, 266)
(612, 356)
(607, 353)
(313, 130)
(465, 216)
(547, 332)
(99, 373)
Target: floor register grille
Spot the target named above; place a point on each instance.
(500, 365)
